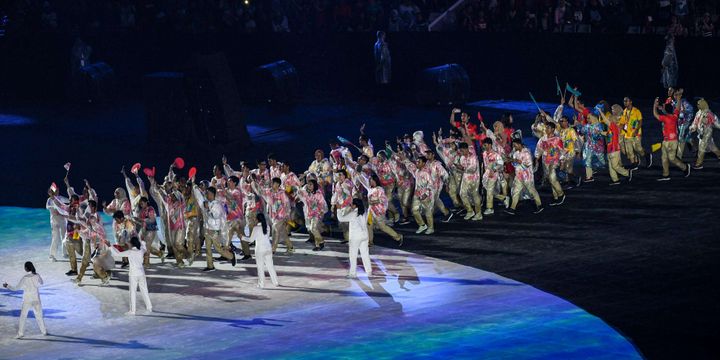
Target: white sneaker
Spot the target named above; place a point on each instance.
(430, 231)
(477, 217)
(130, 313)
(469, 215)
(19, 336)
(421, 229)
(488, 212)
(52, 258)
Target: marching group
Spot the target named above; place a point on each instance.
(362, 192)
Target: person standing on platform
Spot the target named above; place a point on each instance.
(29, 284)
(383, 61)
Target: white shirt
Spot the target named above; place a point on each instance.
(262, 241)
(358, 223)
(214, 215)
(29, 284)
(135, 257)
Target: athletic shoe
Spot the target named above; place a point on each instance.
(246, 257)
(317, 248)
(180, 265)
(430, 231)
(506, 202)
(561, 200)
(208, 269)
(400, 241)
(348, 276)
(589, 180)
(322, 246)
(130, 313)
(105, 281)
(404, 221)
(650, 160)
(233, 261)
(290, 251)
(477, 217)
(697, 167)
(538, 209)
(687, 171)
(421, 229)
(19, 336)
(615, 183)
(53, 259)
(664, 178)
(450, 216)
(488, 212)
(469, 215)
(510, 211)
(71, 273)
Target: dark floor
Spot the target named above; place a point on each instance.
(641, 256)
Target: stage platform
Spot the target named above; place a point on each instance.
(416, 306)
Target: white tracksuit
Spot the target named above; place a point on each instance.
(263, 255)
(136, 275)
(358, 237)
(29, 284)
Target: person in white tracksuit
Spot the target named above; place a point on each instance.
(263, 251)
(58, 223)
(357, 218)
(29, 284)
(136, 276)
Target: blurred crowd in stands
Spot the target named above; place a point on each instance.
(677, 17)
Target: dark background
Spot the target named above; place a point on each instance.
(337, 65)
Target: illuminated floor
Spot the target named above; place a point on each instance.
(420, 307)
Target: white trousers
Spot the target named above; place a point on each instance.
(37, 310)
(362, 246)
(58, 234)
(265, 261)
(140, 281)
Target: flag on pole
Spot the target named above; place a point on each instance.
(572, 91)
(67, 166)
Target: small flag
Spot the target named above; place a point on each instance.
(135, 168)
(179, 162)
(192, 172)
(53, 187)
(572, 91)
(67, 166)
